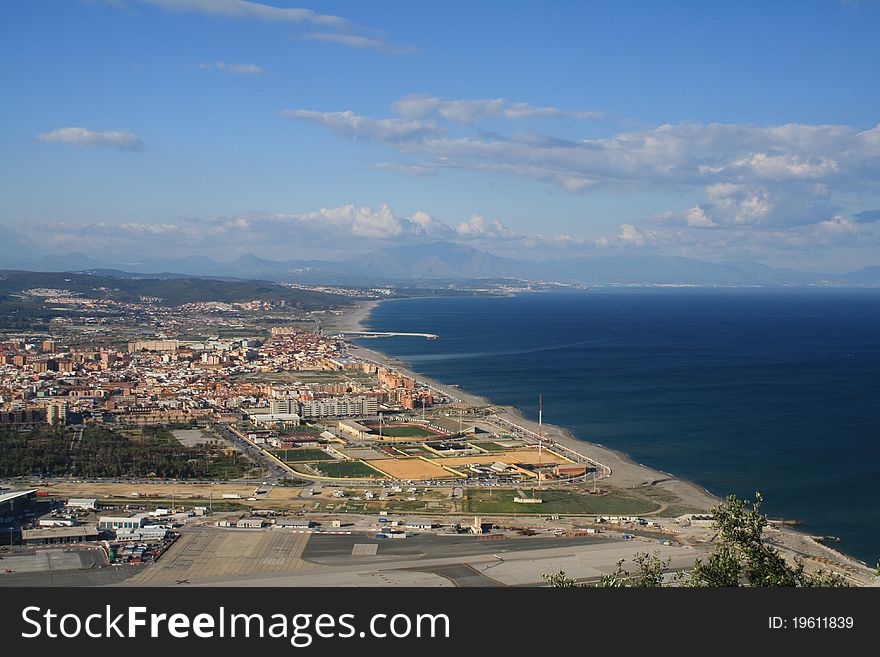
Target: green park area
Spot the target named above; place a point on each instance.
(487, 501)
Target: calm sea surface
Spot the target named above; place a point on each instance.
(737, 391)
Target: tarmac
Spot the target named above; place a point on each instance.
(209, 556)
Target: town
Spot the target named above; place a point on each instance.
(152, 443)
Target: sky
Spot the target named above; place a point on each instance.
(722, 131)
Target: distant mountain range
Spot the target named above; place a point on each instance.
(449, 262)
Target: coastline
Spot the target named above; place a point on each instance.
(625, 472)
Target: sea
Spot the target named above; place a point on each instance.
(737, 390)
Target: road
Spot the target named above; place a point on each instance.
(274, 470)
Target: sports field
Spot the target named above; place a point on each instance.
(347, 470)
(363, 453)
(490, 447)
(407, 431)
(301, 455)
(412, 468)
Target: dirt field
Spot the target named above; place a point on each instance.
(186, 494)
(530, 456)
(411, 468)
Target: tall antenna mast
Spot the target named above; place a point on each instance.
(540, 434)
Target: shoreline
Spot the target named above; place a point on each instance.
(625, 471)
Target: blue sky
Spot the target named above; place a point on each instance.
(722, 131)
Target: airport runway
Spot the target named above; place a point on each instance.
(362, 560)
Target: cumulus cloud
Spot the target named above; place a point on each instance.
(372, 224)
(341, 232)
(344, 230)
(478, 227)
(235, 69)
(837, 225)
(360, 42)
(329, 232)
(123, 141)
(744, 242)
(631, 235)
(696, 216)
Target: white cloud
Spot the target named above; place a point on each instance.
(360, 42)
(696, 216)
(694, 154)
(329, 231)
(343, 29)
(744, 242)
(250, 10)
(235, 69)
(415, 106)
(343, 231)
(405, 169)
(780, 175)
(123, 141)
(465, 111)
(372, 224)
(360, 128)
(837, 225)
(150, 229)
(470, 111)
(631, 235)
(477, 227)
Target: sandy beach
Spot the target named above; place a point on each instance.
(625, 473)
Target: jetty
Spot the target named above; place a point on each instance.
(386, 334)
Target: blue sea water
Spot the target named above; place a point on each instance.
(739, 391)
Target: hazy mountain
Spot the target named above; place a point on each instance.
(433, 261)
(865, 276)
(197, 265)
(448, 262)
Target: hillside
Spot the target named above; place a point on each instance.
(18, 310)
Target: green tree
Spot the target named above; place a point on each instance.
(561, 581)
(741, 558)
(649, 574)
